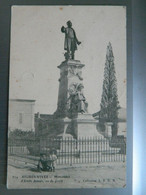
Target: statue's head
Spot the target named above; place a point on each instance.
(69, 24)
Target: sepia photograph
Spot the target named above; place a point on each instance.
(67, 97)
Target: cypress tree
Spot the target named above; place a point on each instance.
(109, 101)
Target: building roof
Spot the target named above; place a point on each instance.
(22, 100)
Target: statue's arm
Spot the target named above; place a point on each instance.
(78, 42)
(63, 30)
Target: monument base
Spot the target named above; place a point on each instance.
(84, 126)
(66, 129)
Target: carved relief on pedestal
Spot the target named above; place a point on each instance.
(71, 71)
(75, 71)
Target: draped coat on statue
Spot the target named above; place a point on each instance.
(71, 41)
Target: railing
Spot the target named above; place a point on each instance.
(71, 151)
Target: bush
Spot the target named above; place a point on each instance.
(21, 135)
(118, 142)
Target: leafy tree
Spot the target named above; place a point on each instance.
(109, 101)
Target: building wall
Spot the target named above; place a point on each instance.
(122, 128)
(122, 124)
(21, 114)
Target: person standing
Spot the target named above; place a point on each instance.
(53, 158)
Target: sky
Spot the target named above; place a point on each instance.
(37, 48)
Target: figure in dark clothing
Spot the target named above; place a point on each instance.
(45, 163)
(71, 41)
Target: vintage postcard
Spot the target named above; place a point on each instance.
(67, 97)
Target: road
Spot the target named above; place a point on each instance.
(104, 175)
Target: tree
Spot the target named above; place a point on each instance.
(109, 101)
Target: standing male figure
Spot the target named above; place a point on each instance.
(71, 40)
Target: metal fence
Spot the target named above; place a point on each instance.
(71, 151)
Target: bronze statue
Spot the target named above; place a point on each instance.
(71, 41)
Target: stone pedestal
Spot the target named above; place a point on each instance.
(84, 126)
(67, 129)
(72, 105)
(70, 73)
(108, 129)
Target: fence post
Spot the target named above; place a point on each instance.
(98, 150)
(124, 153)
(71, 151)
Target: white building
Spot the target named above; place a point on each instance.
(122, 125)
(21, 114)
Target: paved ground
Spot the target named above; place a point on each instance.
(104, 175)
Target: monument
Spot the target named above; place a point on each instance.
(72, 107)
